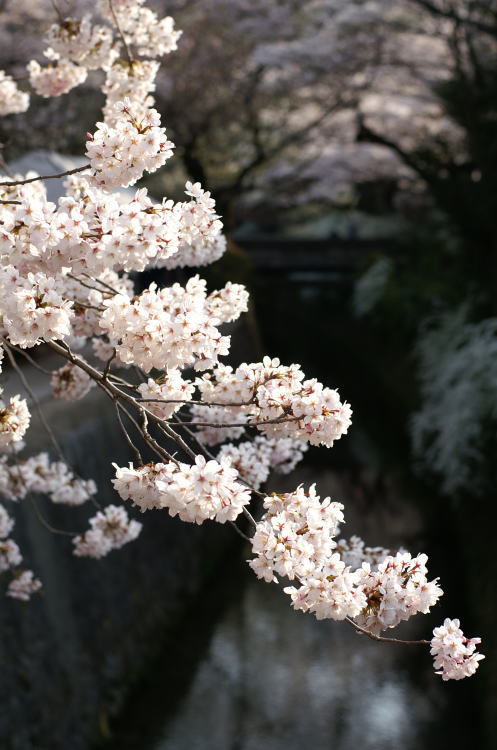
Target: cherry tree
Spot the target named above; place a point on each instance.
(255, 93)
(215, 431)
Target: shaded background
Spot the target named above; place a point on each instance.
(352, 150)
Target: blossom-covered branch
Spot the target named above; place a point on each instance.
(65, 283)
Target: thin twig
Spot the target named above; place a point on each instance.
(123, 39)
(193, 436)
(190, 401)
(46, 176)
(99, 281)
(48, 525)
(121, 381)
(109, 386)
(88, 286)
(248, 515)
(240, 532)
(58, 12)
(108, 364)
(382, 639)
(277, 420)
(30, 392)
(24, 354)
(126, 435)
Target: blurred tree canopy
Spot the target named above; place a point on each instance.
(289, 103)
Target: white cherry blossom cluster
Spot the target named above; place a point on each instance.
(254, 459)
(200, 238)
(295, 535)
(10, 555)
(133, 80)
(33, 308)
(70, 383)
(6, 523)
(120, 155)
(87, 297)
(140, 484)
(27, 229)
(165, 328)
(151, 37)
(141, 27)
(199, 252)
(169, 387)
(228, 303)
(38, 474)
(284, 453)
(14, 420)
(109, 529)
(249, 459)
(78, 41)
(98, 232)
(330, 592)
(12, 100)
(92, 232)
(11, 190)
(395, 591)
(354, 552)
(198, 216)
(455, 656)
(55, 79)
(23, 585)
(275, 394)
(195, 493)
(295, 539)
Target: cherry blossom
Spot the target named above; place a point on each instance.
(275, 394)
(455, 655)
(14, 420)
(110, 529)
(55, 79)
(70, 383)
(120, 155)
(33, 307)
(23, 585)
(168, 387)
(12, 100)
(295, 535)
(195, 493)
(165, 328)
(396, 590)
(10, 555)
(6, 523)
(80, 42)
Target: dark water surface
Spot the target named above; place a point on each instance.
(279, 680)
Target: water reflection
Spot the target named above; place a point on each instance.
(274, 679)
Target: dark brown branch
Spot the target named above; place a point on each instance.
(46, 176)
(382, 639)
